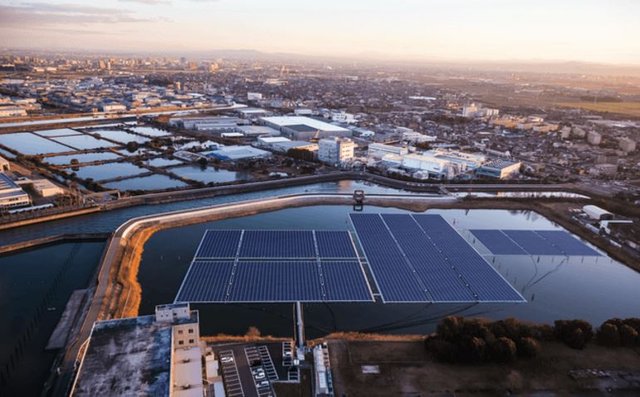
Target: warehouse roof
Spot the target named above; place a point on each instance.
(313, 124)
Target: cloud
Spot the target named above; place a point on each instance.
(38, 14)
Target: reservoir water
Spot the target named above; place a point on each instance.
(556, 287)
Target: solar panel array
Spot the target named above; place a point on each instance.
(533, 242)
(275, 266)
(421, 258)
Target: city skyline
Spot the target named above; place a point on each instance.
(436, 30)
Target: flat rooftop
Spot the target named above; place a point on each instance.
(129, 356)
(313, 124)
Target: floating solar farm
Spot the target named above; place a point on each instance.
(411, 258)
(533, 242)
(421, 258)
(233, 266)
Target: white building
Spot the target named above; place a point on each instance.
(112, 107)
(597, 213)
(429, 165)
(416, 137)
(474, 110)
(304, 128)
(377, 150)
(627, 145)
(46, 188)
(594, 138)
(335, 150)
(342, 117)
(11, 195)
(500, 169)
(254, 96)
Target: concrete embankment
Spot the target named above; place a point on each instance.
(58, 338)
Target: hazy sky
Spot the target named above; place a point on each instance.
(586, 30)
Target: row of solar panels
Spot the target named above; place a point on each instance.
(532, 242)
(281, 244)
(421, 258)
(274, 281)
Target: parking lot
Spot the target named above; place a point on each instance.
(250, 369)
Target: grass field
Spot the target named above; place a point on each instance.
(623, 108)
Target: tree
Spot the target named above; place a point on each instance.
(132, 146)
(504, 350)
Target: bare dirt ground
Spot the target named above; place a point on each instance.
(406, 369)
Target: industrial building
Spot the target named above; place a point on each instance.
(335, 150)
(499, 169)
(11, 195)
(237, 152)
(378, 150)
(210, 124)
(304, 128)
(154, 355)
(46, 188)
(257, 130)
(427, 166)
(596, 213)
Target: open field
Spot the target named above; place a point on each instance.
(407, 369)
(623, 108)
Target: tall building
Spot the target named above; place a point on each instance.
(154, 355)
(335, 150)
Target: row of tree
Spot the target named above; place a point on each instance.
(477, 340)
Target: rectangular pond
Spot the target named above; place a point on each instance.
(151, 182)
(31, 144)
(209, 174)
(82, 158)
(57, 132)
(107, 171)
(84, 142)
(120, 136)
(150, 131)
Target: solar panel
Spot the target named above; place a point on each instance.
(277, 244)
(335, 244)
(277, 281)
(421, 258)
(440, 278)
(486, 283)
(206, 281)
(395, 279)
(532, 242)
(567, 243)
(498, 243)
(345, 281)
(275, 266)
(219, 244)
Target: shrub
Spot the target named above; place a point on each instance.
(608, 335)
(574, 333)
(628, 335)
(503, 350)
(528, 347)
